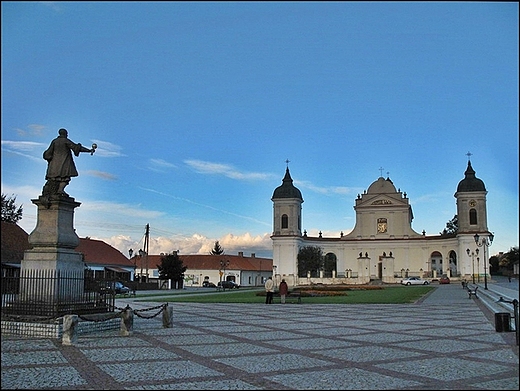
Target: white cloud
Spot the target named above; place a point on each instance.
(130, 210)
(162, 163)
(326, 190)
(101, 174)
(23, 147)
(107, 149)
(226, 170)
(261, 245)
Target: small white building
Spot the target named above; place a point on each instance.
(243, 270)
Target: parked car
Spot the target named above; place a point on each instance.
(414, 281)
(207, 284)
(444, 279)
(228, 285)
(117, 287)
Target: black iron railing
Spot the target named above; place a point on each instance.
(54, 293)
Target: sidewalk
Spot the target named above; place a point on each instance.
(445, 341)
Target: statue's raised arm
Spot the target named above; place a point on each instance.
(61, 165)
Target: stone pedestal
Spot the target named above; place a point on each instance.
(52, 256)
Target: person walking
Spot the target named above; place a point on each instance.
(269, 290)
(283, 289)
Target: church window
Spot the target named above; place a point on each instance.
(285, 221)
(381, 225)
(473, 216)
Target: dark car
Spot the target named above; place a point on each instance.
(228, 285)
(444, 280)
(207, 284)
(117, 287)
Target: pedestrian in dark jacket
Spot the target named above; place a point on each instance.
(283, 289)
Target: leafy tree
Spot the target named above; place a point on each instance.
(217, 249)
(508, 259)
(310, 258)
(171, 268)
(493, 264)
(10, 212)
(452, 227)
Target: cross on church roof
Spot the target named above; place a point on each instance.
(381, 169)
(287, 162)
(468, 155)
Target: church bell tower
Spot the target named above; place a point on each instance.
(287, 223)
(471, 203)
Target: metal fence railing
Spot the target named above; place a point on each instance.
(54, 293)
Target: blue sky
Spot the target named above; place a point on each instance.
(196, 106)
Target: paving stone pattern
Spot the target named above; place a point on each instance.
(443, 342)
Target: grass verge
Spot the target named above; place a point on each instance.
(387, 295)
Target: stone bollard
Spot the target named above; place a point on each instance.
(167, 317)
(70, 333)
(127, 321)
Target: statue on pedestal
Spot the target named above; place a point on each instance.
(61, 165)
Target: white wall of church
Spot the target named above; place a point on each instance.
(383, 244)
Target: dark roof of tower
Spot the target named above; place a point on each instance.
(287, 189)
(470, 181)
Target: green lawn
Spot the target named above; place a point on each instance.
(388, 295)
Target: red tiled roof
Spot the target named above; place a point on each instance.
(97, 252)
(15, 241)
(210, 262)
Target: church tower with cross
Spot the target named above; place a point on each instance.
(287, 221)
(471, 202)
(382, 246)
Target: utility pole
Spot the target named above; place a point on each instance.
(146, 247)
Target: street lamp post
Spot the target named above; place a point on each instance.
(130, 252)
(484, 242)
(222, 271)
(472, 255)
(478, 270)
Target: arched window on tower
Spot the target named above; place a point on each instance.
(285, 221)
(472, 216)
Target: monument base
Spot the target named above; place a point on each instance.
(52, 271)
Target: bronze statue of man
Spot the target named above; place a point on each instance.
(61, 165)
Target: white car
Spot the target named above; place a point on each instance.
(414, 281)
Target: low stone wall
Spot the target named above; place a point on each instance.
(55, 329)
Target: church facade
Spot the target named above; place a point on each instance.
(382, 245)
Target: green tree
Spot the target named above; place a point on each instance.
(508, 259)
(217, 249)
(452, 227)
(310, 259)
(10, 212)
(172, 268)
(493, 264)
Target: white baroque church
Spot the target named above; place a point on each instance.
(382, 246)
